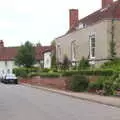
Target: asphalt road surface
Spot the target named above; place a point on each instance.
(18, 102)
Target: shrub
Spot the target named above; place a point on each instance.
(45, 70)
(50, 75)
(34, 69)
(98, 84)
(75, 67)
(23, 72)
(92, 85)
(70, 73)
(108, 87)
(116, 82)
(66, 63)
(102, 72)
(83, 64)
(54, 70)
(79, 83)
(53, 61)
(113, 64)
(32, 74)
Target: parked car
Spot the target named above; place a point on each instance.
(2, 76)
(9, 78)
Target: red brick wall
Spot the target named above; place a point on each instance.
(73, 17)
(59, 83)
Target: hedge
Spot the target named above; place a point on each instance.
(105, 72)
(32, 74)
(23, 72)
(45, 70)
(49, 75)
(79, 83)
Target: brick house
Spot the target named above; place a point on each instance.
(91, 36)
(7, 55)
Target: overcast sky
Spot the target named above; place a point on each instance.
(39, 20)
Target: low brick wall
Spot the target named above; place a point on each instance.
(59, 83)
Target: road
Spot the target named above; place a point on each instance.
(18, 102)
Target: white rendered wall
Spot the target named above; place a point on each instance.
(47, 60)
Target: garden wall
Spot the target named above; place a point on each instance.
(59, 83)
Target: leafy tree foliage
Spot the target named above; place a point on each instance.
(38, 44)
(53, 43)
(26, 55)
(53, 61)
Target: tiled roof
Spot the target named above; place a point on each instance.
(9, 53)
(110, 11)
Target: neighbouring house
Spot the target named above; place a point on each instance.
(91, 36)
(7, 55)
(47, 59)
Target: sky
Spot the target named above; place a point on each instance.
(39, 20)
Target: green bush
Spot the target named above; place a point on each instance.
(54, 70)
(74, 67)
(32, 74)
(116, 82)
(70, 73)
(79, 83)
(45, 70)
(20, 72)
(83, 64)
(98, 84)
(23, 72)
(34, 69)
(66, 63)
(50, 75)
(108, 87)
(113, 64)
(102, 72)
(92, 85)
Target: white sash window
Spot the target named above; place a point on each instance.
(92, 46)
(73, 50)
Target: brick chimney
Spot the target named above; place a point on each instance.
(106, 2)
(1, 44)
(73, 17)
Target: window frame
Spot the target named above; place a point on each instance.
(73, 50)
(92, 46)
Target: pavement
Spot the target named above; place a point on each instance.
(19, 102)
(106, 100)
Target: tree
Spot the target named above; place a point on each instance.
(38, 44)
(53, 61)
(53, 43)
(26, 55)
